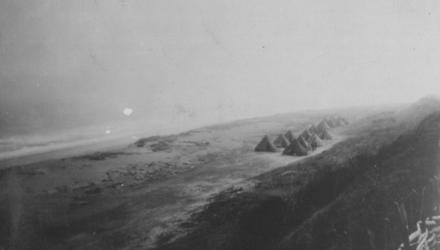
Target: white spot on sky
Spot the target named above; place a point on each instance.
(127, 111)
(108, 131)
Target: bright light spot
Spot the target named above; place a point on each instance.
(108, 131)
(127, 111)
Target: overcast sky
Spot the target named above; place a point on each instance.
(212, 60)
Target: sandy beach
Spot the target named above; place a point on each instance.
(148, 190)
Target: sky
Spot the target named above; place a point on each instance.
(81, 62)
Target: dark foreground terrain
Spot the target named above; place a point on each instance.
(131, 196)
(343, 198)
(207, 188)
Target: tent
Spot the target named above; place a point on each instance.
(304, 143)
(330, 122)
(324, 134)
(295, 148)
(342, 121)
(306, 134)
(281, 141)
(289, 135)
(312, 129)
(337, 121)
(315, 141)
(322, 125)
(265, 145)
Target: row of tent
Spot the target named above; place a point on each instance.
(310, 139)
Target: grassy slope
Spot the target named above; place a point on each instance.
(329, 201)
(397, 173)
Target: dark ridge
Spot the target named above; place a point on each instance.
(349, 205)
(396, 174)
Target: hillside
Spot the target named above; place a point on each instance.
(128, 196)
(341, 199)
(207, 189)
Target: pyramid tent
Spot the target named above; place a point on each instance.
(315, 141)
(324, 134)
(322, 125)
(342, 121)
(265, 145)
(303, 142)
(281, 141)
(337, 121)
(306, 134)
(330, 122)
(295, 148)
(289, 136)
(312, 129)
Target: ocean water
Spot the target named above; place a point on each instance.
(116, 134)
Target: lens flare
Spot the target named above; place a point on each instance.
(127, 111)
